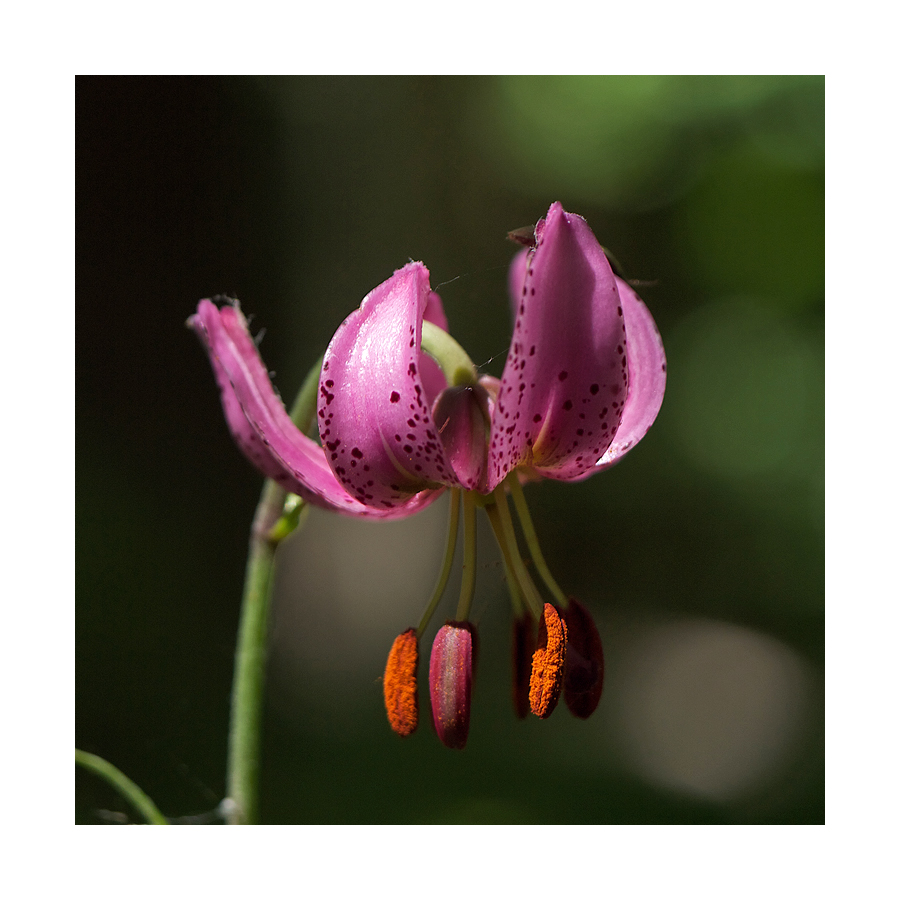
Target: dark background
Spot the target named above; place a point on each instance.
(701, 555)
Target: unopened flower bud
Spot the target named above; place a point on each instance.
(584, 661)
(400, 696)
(450, 682)
(548, 663)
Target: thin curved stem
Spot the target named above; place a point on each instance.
(271, 524)
(444, 577)
(467, 588)
(537, 557)
(501, 522)
(123, 784)
(250, 661)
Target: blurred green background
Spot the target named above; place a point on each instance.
(701, 555)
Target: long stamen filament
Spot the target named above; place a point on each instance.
(537, 557)
(503, 531)
(467, 590)
(515, 595)
(452, 528)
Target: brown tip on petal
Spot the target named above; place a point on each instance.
(548, 663)
(584, 661)
(524, 645)
(400, 698)
(524, 236)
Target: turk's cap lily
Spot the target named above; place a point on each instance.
(582, 383)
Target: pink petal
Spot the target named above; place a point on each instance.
(646, 377)
(208, 326)
(259, 423)
(516, 279)
(566, 377)
(374, 411)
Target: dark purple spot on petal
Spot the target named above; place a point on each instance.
(394, 396)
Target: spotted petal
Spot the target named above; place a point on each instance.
(566, 376)
(374, 408)
(260, 424)
(646, 377)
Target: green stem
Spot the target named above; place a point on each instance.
(123, 784)
(436, 595)
(271, 524)
(250, 661)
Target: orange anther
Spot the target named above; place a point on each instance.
(400, 697)
(548, 663)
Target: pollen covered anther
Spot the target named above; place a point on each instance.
(400, 696)
(548, 663)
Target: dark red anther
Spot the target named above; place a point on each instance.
(584, 661)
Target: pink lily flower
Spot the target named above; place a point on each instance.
(583, 382)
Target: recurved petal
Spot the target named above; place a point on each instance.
(374, 417)
(646, 376)
(566, 377)
(207, 326)
(259, 422)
